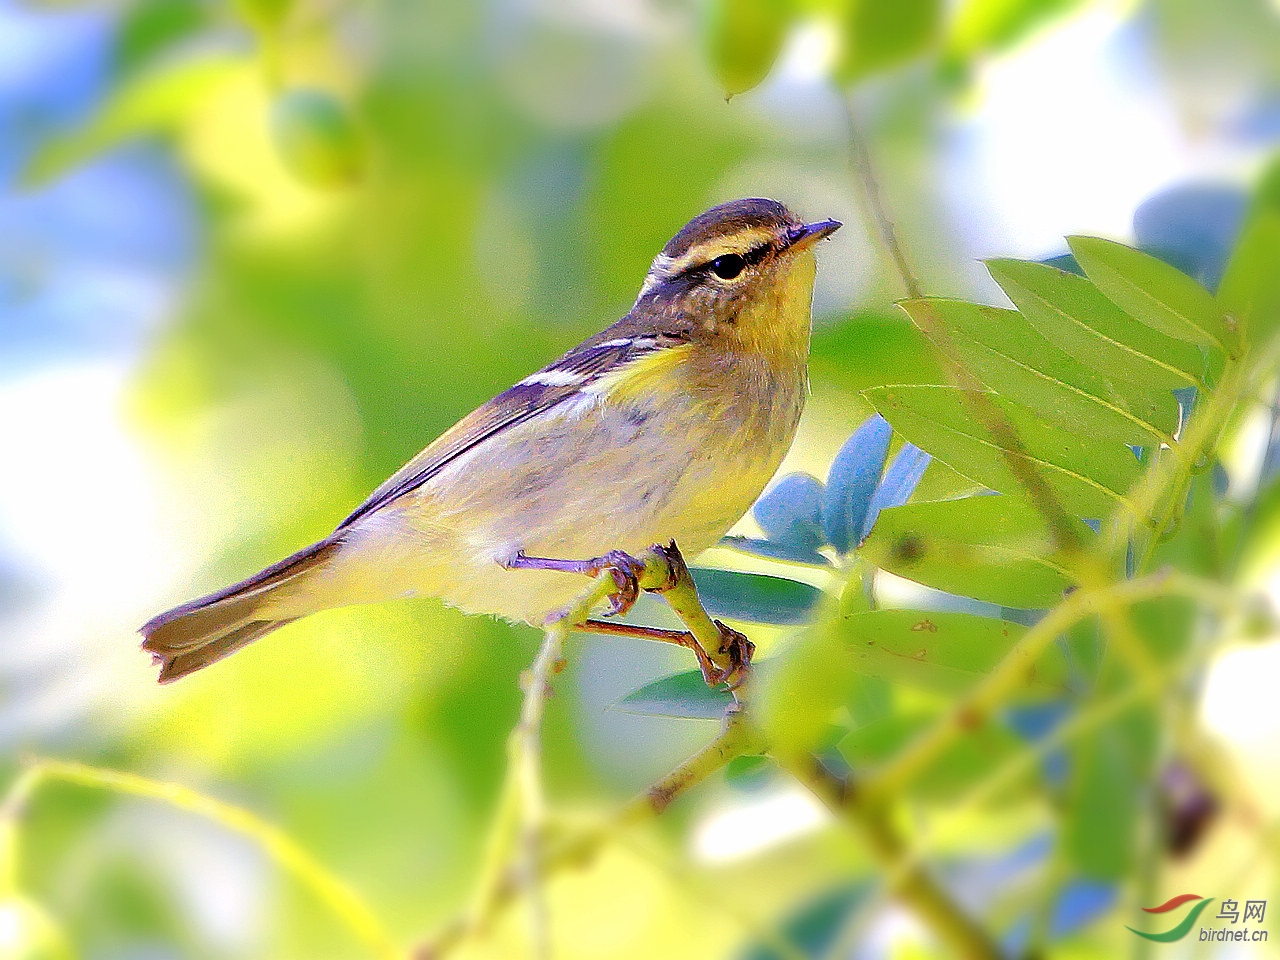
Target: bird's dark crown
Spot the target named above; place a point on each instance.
(728, 219)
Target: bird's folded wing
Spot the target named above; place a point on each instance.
(554, 384)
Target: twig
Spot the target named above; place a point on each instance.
(337, 895)
(873, 209)
(974, 708)
(736, 739)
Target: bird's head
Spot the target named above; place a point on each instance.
(743, 273)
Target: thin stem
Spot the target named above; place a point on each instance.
(736, 739)
(873, 208)
(286, 853)
(1004, 679)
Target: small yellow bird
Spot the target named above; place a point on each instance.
(664, 427)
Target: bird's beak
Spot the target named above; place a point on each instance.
(800, 238)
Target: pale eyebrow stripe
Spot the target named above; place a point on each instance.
(742, 242)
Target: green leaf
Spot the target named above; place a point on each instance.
(879, 35)
(1161, 296)
(1072, 313)
(1104, 793)
(685, 695)
(152, 102)
(743, 39)
(802, 686)
(1003, 350)
(750, 773)
(990, 548)
(979, 26)
(149, 29)
(947, 652)
(1089, 476)
(317, 138)
(979, 753)
(1249, 294)
(263, 14)
(755, 597)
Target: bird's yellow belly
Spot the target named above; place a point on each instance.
(641, 475)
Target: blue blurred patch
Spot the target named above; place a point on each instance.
(92, 263)
(1193, 228)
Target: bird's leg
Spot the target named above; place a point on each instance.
(723, 653)
(729, 650)
(711, 673)
(625, 570)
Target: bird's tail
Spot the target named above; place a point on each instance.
(203, 631)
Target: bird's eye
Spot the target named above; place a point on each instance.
(728, 266)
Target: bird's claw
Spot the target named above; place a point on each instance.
(625, 571)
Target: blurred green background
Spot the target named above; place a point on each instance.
(255, 255)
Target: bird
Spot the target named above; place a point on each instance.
(664, 427)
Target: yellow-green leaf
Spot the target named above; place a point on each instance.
(1070, 311)
(947, 652)
(1091, 477)
(1249, 294)
(1159, 295)
(976, 755)
(151, 102)
(1003, 350)
(317, 138)
(990, 548)
(878, 35)
(743, 39)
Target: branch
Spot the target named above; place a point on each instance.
(736, 739)
(973, 709)
(334, 893)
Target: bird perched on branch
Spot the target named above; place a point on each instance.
(666, 426)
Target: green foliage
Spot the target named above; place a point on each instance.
(996, 549)
(743, 39)
(1073, 313)
(1090, 475)
(1109, 773)
(947, 652)
(317, 138)
(982, 752)
(756, 597)
(153, 101)
(984, 26)
(683, 695)
(878, 36)
(1152, 291)
(333, 331)
(1010, 356)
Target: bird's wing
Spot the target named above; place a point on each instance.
(552, 385)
